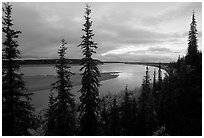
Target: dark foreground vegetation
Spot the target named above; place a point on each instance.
(170, 105)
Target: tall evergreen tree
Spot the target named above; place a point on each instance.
(192, 54)
(145, 88)
(180, 107)
(146, 80)
(159, 77)
(64, 105)
(16, 107)
(146, 109)
(178, 64)
(142, 103)
(89, 92)
(126, 114)
(154, 83)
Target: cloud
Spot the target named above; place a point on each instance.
(180, 11)
(42, 32)
(159, 49)
(121, 29)
(133, 50)
(141, 56)
(119, 51)
(124, 35)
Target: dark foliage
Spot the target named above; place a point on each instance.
(61, 111)
(159, 78)
(121, 118)
(126, 120)
(114, 125)
(89, 107)
(154, 83)
(180, 108)
(146, 107)
(192, 54)
(16, 108)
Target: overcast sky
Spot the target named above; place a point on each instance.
(123, 31)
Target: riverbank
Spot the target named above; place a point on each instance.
(43, 82)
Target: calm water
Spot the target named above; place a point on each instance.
(129, 74)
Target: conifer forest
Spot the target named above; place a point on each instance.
(166, 102)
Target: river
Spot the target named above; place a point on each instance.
(129, 74)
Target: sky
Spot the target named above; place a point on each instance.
(124, 31)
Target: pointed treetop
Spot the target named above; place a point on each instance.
(7, 6)
(62, 48)
(63, 43)
(88, 9)
(193, 19)
(147, 68)
(154, 73)
(154, 79)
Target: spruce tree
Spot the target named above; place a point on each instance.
(180, 107)
(89, 106)
(154, 93)
(178, 64)
(126, 114)
(146, 109)
(146, 80)
(16, 108)
(159, 77)
(64, 105)
(192, 53)
(154, 82)
(145, 88)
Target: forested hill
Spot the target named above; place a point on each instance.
(51, 61)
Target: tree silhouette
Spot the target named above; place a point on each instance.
(192, 54)
(64, 104)
(126, 114)
(146, 80)
(159, 77)
(146, 107)
(89, 106)
(154, 83)
(180, 108)
(16, 108)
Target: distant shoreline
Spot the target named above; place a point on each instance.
(48, 61)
